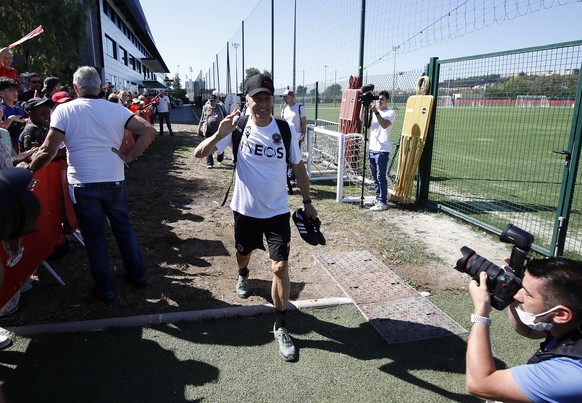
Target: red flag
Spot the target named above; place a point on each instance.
(35, 32)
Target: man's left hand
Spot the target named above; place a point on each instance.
(480, 295)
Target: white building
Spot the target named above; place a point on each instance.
(120, 45)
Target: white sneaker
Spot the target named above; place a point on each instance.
(285, 344)
(380, 206)
(5, 342)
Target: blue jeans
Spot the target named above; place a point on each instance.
(164, 117)
(94, 202)
(378, 166)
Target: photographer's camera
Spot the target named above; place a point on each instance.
(367, 96)
(502, 283)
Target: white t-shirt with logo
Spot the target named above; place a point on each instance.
(260, 189)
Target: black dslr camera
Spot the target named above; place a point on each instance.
(366, 97)
(502, 283)
(19, 207)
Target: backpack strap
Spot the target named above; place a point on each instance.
(237, 135)
(286, 135)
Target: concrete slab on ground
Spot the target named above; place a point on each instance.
(395, 309)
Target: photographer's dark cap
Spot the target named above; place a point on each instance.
(259, 83)
(50, 83)
(36, 102)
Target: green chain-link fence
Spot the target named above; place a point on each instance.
(505, 143)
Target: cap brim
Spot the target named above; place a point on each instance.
(46, 101)
(257, 90)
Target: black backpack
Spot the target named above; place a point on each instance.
(237, 136)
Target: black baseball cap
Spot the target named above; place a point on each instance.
(36, 102)
(259, 83)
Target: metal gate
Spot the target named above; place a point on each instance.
(505, 143)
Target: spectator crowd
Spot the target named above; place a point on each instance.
(27, 102)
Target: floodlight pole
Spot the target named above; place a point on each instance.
(235, 46)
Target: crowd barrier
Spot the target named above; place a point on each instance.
(22, 257)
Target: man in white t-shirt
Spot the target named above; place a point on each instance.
(164, 107)
(380, 147)
(294, 113)
(92, 129)
(260, 201)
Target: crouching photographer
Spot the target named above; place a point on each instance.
(548, 304)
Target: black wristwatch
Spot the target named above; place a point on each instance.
(306, 201)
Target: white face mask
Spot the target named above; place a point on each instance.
(528, 319)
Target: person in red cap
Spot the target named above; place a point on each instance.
(61, 97)
(259, 201)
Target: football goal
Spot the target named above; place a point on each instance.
(445, 101)
(532, 101)
(335, 156)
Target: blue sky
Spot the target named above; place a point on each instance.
(190, 33)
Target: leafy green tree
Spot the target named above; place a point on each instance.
(301, 91)
(177, 83)
(251, 71)
(332, 92)
(57, 51)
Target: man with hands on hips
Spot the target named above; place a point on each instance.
(549, 305)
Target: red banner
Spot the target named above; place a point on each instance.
(35, 32)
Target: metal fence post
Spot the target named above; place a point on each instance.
(572, 156)
(426, 158)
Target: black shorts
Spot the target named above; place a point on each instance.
(249, 231)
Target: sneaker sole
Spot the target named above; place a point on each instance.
(243, 296)
(290, 358)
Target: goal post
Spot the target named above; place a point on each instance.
(532, 101)
(335, 156)
(445, 101)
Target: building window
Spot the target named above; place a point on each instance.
(123, 55)
(132, 61)
(110, 47)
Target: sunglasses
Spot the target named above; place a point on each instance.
(34, 82)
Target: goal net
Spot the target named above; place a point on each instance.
(338, 157)
(445, 101)
(532, 101)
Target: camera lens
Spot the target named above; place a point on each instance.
(473, 264)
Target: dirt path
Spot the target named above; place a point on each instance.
(187, 242)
